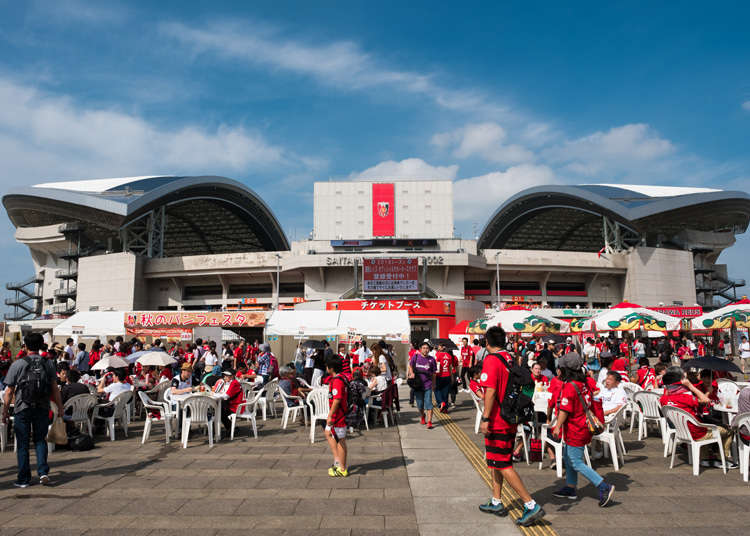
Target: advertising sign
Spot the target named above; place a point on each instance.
(381, 276)
(169, 334)
(383, 210)
(427, 308)
(159, 319)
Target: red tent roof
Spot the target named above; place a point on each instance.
(743, 301)
(460, 328)
(625, 305)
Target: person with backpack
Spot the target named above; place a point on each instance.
(504, 401)
(33, 381)
(577, 416)
(335, 431)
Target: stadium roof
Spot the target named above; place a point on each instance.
(571, 217)
(204, 215)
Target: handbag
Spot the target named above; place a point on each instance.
(57, 433)
(594, 424)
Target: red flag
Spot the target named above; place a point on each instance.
(601, 252)
(383, 210)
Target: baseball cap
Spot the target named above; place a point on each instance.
(571, 360)
(228, 372)
(186, 366)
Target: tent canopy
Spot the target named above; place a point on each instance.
(92, 324)
(322, 323)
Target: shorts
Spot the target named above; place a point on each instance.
(498, 447)
(338, 432)
(424, 399)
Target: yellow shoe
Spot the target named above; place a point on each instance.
(332, 472)
(341, 472)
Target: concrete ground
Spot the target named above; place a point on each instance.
(650, 499)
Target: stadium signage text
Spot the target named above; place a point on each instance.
(194, 319)
(346, 260)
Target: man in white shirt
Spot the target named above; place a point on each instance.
(612, 394)
(70, 352)
(744, 352)
(115, 388)
(363, 352)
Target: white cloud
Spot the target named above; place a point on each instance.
(746, 105)
(340, 64)
(475, 198)
(46, 136)
(407, 169)
(486, 140)
(619, 149)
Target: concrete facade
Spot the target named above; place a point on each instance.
(657, 275)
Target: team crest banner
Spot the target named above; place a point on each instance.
(383, 210)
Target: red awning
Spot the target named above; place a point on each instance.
(460, 329)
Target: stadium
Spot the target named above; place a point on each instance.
(212, 244)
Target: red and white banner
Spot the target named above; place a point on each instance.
(390, 275)
(383, 210)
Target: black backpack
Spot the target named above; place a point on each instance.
(34, 385)
(517, 406)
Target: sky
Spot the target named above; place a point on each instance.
(494, 96)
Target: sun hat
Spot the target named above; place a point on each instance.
(571, 360)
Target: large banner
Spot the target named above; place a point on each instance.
(383, 210)
(190, 319)
(390, 275)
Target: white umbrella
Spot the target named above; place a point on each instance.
(112, 361)
(155, 359)
(629, 317)
(735, 314)
(516, 319)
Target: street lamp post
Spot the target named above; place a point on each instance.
(278, 282)
(497, 277)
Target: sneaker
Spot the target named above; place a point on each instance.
(332, 471)
(730, 464)
(566, 493)
(497, 509)
(516, 457)
(530, 517)
(708, 463)
(44, 480)
(422, 421)
(21, 484)
(429, 425)
(341, 472)
(606, 492)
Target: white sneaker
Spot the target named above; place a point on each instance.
(44, 480)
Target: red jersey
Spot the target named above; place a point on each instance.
(495, 376)
(619, 364)
(346, 369)
(575, 430)
(646, 377)
(624, 348)
(467, 356)
(476, 388)
(682, 398)
(234, 392)
(555, 386)
(544, 380)
(444, 362)
(355, 358)
(337, 391)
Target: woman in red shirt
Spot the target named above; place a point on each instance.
(576, 396)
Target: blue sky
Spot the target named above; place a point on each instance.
(280, 94)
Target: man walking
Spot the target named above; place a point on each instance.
(499, 434)
(32, 379)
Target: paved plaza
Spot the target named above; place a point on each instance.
(405, 480)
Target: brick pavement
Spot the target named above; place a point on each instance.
(651, 499)
(276, 486)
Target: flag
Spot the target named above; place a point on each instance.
(601, 252)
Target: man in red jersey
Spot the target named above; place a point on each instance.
(346, 368)
(335, 430)
(499, 434)
(468, 360)
(443, 376)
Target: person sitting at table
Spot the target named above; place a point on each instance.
(165, 373)
(680, 393)
(71, 386)
(539, 378)
(377, 383)
(544, 368)
(183, 383)
(659, 370)
(117, 386)
(230, 391)
(475, 375)
(645, 375)
(612, 395)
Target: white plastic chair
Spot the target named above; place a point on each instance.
(304, 383)
(631, 407)
(479, 405)
(268, 401)
(372, 403)
(743, 450)
(650, 411)
(612, 439)
(557, 446)
(247, 411)
(520, 432)
(81, 410)
(120, 413)
(195, 410)
(167, 416)
(728, 389)
(3, 432)
(317, 400)
(680, 419)
(299, 405)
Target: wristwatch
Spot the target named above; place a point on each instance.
(485, 419)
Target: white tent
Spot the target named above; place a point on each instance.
(92, 324)
(322, 323)
(303, 323)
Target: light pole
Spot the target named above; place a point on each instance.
(278, 282)
(497, 277)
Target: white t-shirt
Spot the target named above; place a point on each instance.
(745, 350)
(589, 352)
(612, 398)
(310, 358)
(114, 389)
(387, 374)
(602, 376)
(639, 349)
(363, 352)
(380, 383)
(211, 359)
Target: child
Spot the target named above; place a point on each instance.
(335, 430)
(475, 374)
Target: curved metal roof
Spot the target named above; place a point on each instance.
(541, 213)
(112, 203)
